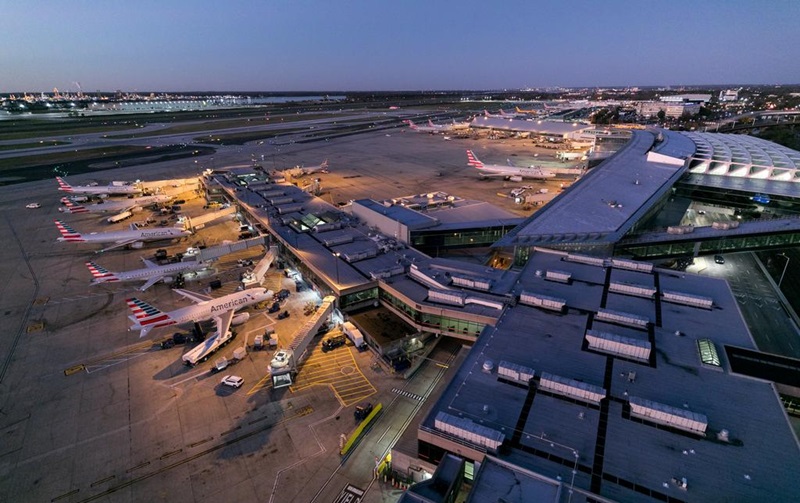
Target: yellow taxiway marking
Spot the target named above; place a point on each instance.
(338, 370)
(265, 382)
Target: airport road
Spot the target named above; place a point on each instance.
(763, 310)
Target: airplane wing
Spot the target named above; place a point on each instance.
(223, 322)
(194, 297)
(150, 282)
(148, 263)
(134, 227)
(118, 244)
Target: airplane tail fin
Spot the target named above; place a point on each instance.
(410, 124)
(146, 317)
(473, 160)
(70, 207)
(100, 274)
(324, 164)
(67, 232)
(430, 123)
(62, 185)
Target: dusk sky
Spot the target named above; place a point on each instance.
(206, 45)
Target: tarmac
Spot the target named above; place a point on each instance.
(91, 412)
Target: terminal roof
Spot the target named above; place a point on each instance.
(610, 199)
(544, 431)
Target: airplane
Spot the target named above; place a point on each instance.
(422, 129)
(533, 112)
(152, 273)
(146, 317)
(119, 206)
(114, 188)
(133, 237)
(446, 128)
(320, 168)
(501, 115)
(511, 172)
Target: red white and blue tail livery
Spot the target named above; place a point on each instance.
(68, 233)
(146, 317)
(100, 274)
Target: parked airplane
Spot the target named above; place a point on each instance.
(532, 112)
(117, 206)
(320, 168)
(134, 237)
(446, 128)
(146, 317)
(422, 129)
(511, 172)
(502, 114)
(152, 273)
(114, 188)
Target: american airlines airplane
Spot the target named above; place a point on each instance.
(446, 128)
(114, 188)
(119, 206)
(510, 172)
(133, 237)
(321, 168)
(422, 129)
(146, 317)
(151, 273)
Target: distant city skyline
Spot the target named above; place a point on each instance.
(411, 45)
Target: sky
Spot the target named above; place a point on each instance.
(389, 45)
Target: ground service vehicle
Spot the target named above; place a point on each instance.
(333, 342)
(202, 351)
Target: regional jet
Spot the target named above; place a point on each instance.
(134, 237)
(510, 172)
(320, 168)
(114, 188)
(446, 128)
(422, 129)
(118, 206)
(146, 317)
(152, 273)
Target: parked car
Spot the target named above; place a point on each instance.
(32, 206)
(719, 259)
(362, 411)
(282, 294)
(283, 315)
(275, 307)
(232, 381)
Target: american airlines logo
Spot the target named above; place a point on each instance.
(153, 234)
(231, 304)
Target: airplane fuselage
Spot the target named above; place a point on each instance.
(150, 272)
(130, 235)
(210, 308)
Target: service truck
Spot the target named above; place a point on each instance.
(205, 349)
(353, 333)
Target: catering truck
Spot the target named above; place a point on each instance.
(208, 347)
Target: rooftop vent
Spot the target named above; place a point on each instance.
(488, 366)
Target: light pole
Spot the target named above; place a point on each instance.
(786, 266)
(336, 261)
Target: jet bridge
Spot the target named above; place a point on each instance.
(284, 376)
(198, 222)
(218, 251)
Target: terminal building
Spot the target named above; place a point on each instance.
(591, 376)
